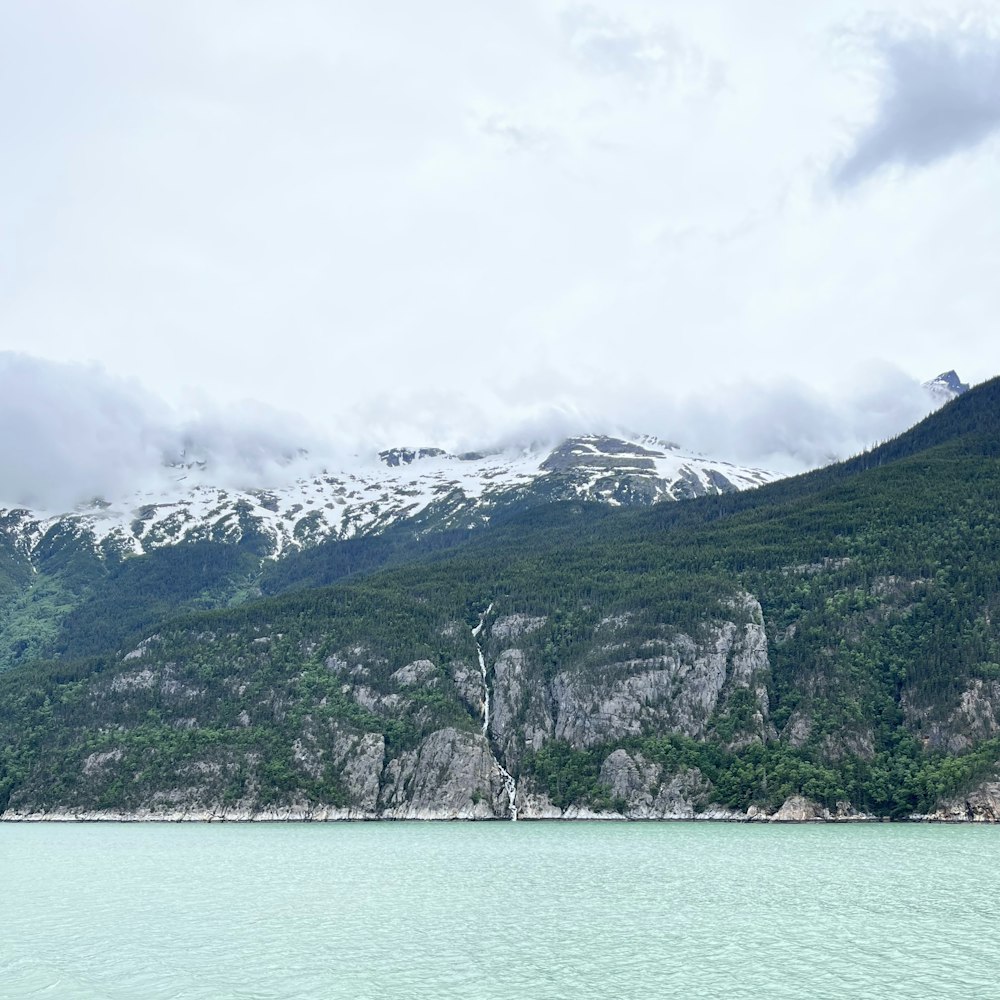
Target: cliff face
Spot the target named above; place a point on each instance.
(681, 685)
(356, 738)
(980, 805)
(629, 719)
(283, 726)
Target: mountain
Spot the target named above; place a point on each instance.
(426, 488)
(76, 581)
(825, 645)
(946, 387)
(443, 490)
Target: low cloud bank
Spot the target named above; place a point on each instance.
(784, 425)
(74, 432)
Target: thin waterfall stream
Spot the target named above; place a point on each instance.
(508, 779)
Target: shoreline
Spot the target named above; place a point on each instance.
(336, 816)
(979, 805)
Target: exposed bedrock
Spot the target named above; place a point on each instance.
(680, 688)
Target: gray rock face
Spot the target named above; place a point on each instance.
(362, 760)
(469, 684)
(636, 785)
(677, 688)
(629, 778)
(798, 809)
(97, 761)
(979, 710)
(521, 713)
(857, 743)
(379, 704)
(452, 775)
(675, 692)
(797, 730)
(514, 626)
(684, 796)
(982, 805)
(509, 690)
(413, 673)
(975, 717)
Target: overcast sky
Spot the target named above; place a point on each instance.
(453, 219)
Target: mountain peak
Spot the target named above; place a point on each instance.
(947, 385)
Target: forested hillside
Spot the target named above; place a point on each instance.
(186, 544)
(832, 636)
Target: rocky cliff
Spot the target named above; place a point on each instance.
(471, 769)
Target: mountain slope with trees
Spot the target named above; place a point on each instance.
(832, 636)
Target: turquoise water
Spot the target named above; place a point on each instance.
(485, 910)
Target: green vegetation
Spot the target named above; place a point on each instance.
(879, 581)
(894, 783)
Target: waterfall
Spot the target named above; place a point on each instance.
(509, 784)
(482, 670)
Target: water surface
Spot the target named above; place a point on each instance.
(491, 910)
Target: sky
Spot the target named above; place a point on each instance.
(749, 227)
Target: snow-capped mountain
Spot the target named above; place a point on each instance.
(946, 386)
(427, 487)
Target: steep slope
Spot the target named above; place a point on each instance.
(832, 637)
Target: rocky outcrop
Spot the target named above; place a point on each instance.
(797, 730)
(635, 785)
(362, 760)
(451, 775)
(96, 762)
(798, 809)
(677, 691)
(630, 779)
(849, 743)
(417, 672)
(640, 790)
(469, 686)
(975, 717)
(521, 706)
(978, 711)
(511, 627)
(981, 805)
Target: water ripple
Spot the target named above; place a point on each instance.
(165, 912)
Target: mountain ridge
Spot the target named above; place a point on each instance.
(460, 489)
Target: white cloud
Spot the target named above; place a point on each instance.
(75, 432)
(939, 95)
(331, 207)
(655, 53)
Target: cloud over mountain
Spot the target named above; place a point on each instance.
(74, 432)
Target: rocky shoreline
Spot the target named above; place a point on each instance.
(980, 806)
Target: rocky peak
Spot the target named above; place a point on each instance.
(395, 457)
(946, 386)
(597, 451)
